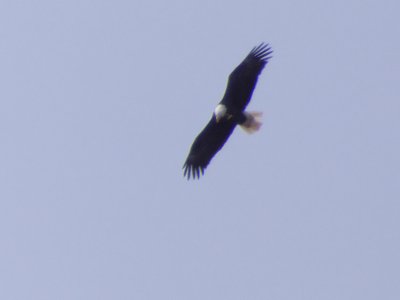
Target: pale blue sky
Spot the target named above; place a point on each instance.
(100, 102)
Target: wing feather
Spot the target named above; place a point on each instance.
(243, 79)
(210, 140)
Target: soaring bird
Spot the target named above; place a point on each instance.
(229, 112)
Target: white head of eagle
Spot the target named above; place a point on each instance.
(220, 112)
(229, 113)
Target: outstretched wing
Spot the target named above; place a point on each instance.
(243, 79)
(206, 145)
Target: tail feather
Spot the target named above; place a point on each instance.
(253, 122)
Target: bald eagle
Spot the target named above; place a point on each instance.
(229, 112)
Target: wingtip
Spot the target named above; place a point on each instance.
(262, 51)
(192, 172)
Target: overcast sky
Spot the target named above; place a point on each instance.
(100, 102)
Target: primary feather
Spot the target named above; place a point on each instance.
(241, 84)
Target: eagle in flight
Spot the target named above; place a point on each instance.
(229, 112)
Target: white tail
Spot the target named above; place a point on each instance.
(253, 121)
